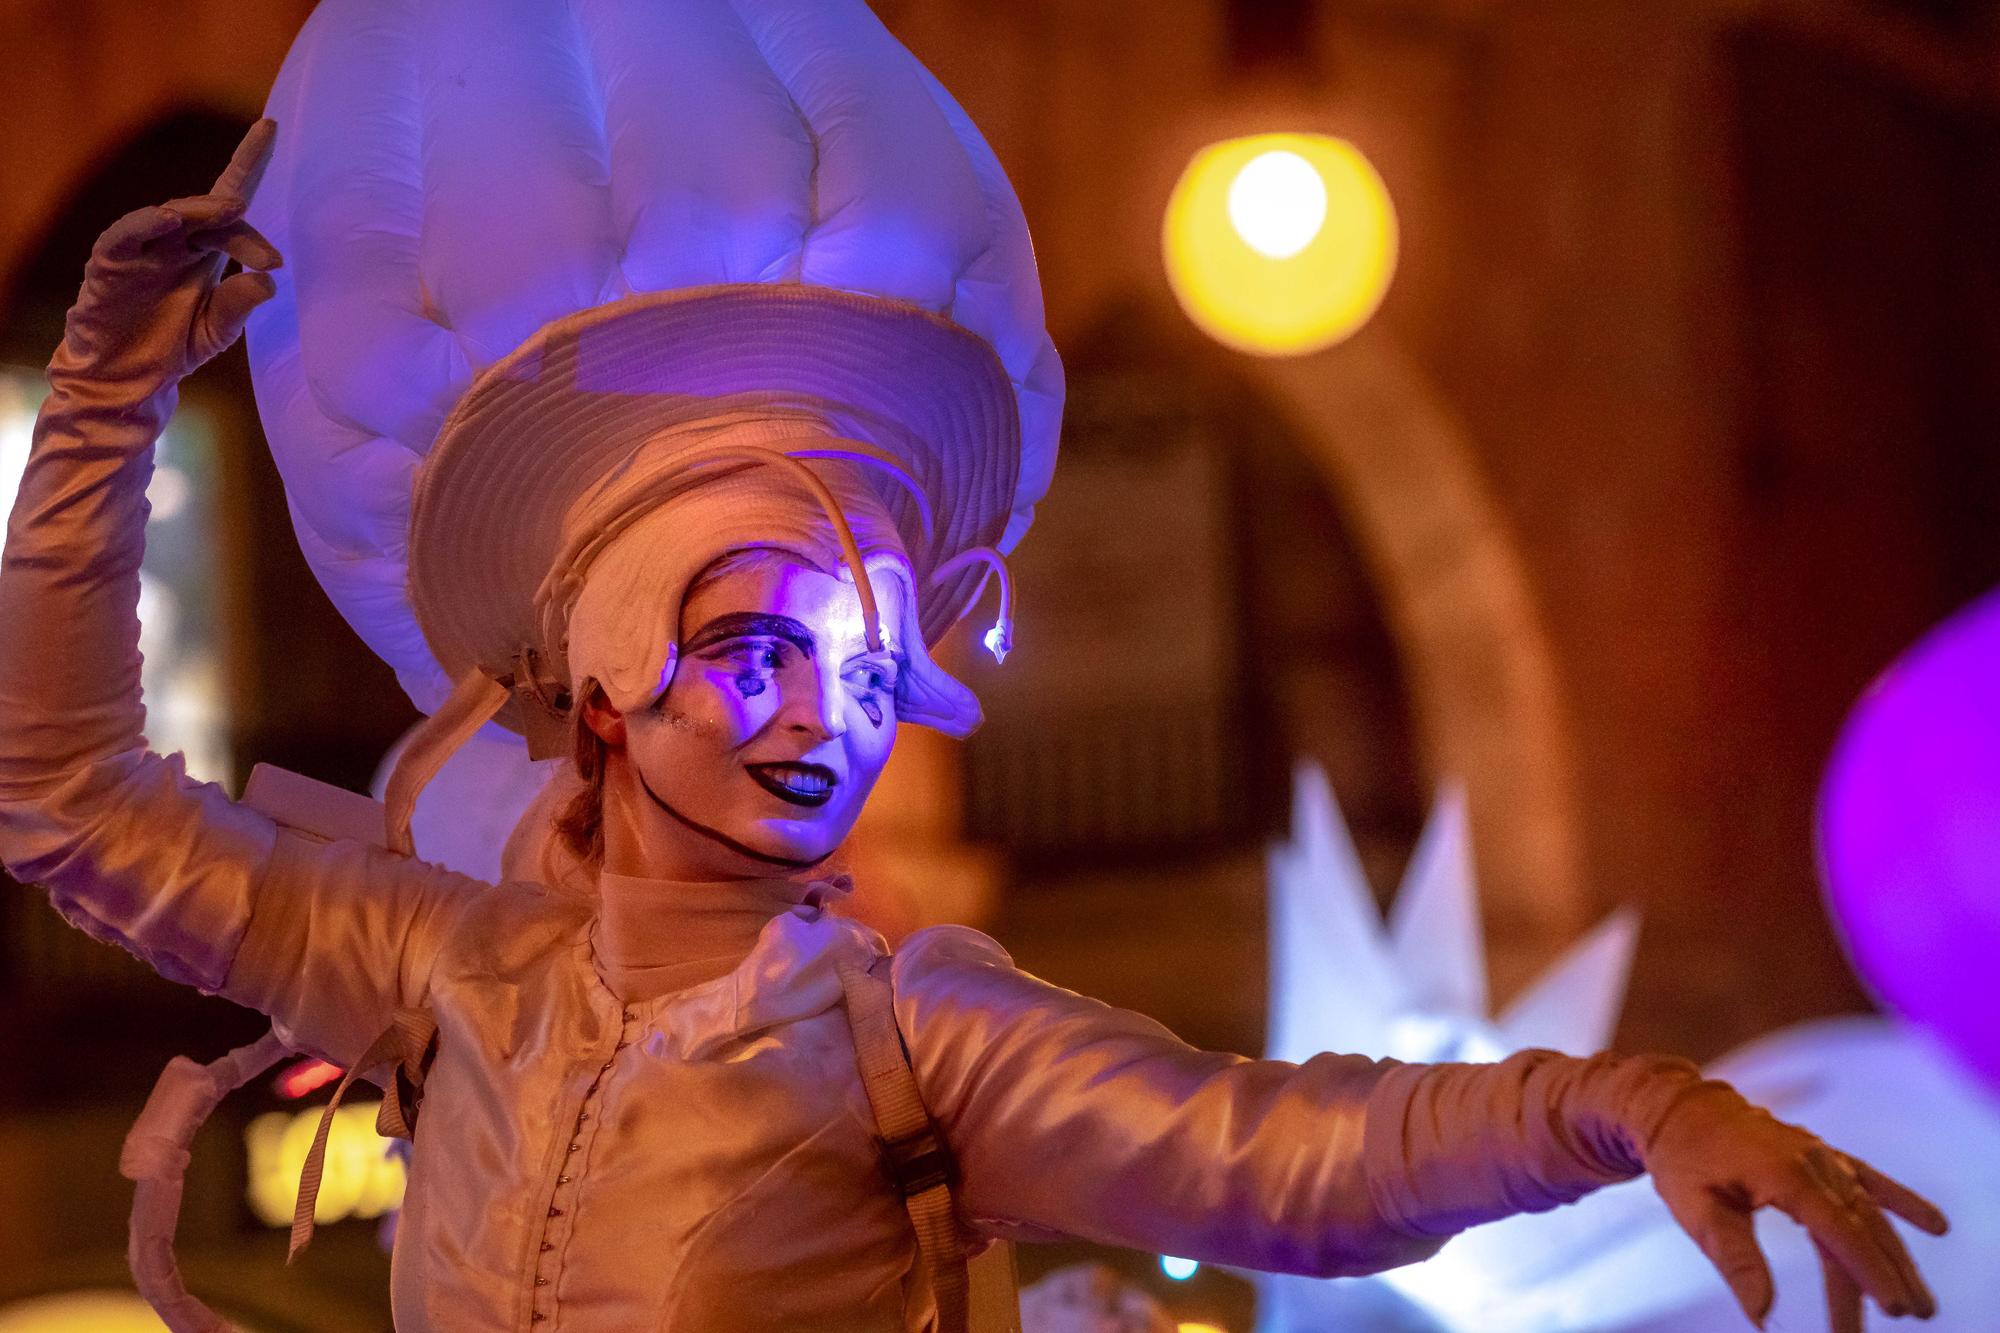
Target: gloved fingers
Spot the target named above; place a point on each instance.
(1724, 1233)
(1848, 1185)
(128, 236)
(240, 241)
(1836, 1169)
(1923, 1303)
(159, 239)
(1837, 1227)
(223, 205)
(199, 212)
(1843, 1297)
(1898, 1198)
(246, 165)
(221, 319)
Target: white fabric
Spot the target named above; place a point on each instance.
(466, 813)
(451, 176)
(635, 544)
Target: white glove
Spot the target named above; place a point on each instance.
(1453, 1145)
(1716, 1159)
(151, 309)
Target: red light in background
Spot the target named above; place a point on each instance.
(304, 1077)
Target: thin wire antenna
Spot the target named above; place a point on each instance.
(1000, 639)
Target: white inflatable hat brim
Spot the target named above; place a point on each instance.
(539, 427)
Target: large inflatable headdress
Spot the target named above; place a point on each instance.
(526, 243)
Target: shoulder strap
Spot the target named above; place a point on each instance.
(914, 1154)
(406, 1046)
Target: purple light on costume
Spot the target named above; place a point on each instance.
(1909, 830)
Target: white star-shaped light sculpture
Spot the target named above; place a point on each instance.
(1414, 988)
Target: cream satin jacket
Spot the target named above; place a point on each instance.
(705, 1159)
(692, 1150)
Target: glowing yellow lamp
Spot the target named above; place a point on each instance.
(81, 1312)
(361, 1179)
(1280, 244)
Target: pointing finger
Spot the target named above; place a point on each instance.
(246, 167)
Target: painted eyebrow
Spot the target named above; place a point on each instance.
(752, 624)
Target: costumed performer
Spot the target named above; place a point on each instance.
(649, 1090)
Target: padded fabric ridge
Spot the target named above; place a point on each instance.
(692, 207)
(325, 450)
(360, 242)
(983, 160)
(1011, 318)
(426, 159)
(514, 185)
(613, 284)
(899, 207)
(795, 267)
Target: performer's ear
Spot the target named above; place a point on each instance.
(603, 719)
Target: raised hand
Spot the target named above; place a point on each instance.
(1716, 1159)
(154, 304)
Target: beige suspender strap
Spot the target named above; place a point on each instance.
(915, 1156)
(402, 1043)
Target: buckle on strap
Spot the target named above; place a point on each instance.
(917, 1162)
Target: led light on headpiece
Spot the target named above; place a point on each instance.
(999, 640)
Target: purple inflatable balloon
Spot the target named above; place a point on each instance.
(1909, 829)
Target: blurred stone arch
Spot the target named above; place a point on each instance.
(1374, 595)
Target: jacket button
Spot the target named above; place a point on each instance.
(562, 1180)
(631, 1017)
(541, 1282)
(537, 1317)
(555, 1212)
(548, 1245)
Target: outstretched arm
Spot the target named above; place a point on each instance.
(129, 847)
(1476, 1138)
(1067, 1114)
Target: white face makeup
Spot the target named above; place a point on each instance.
(778, 720)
